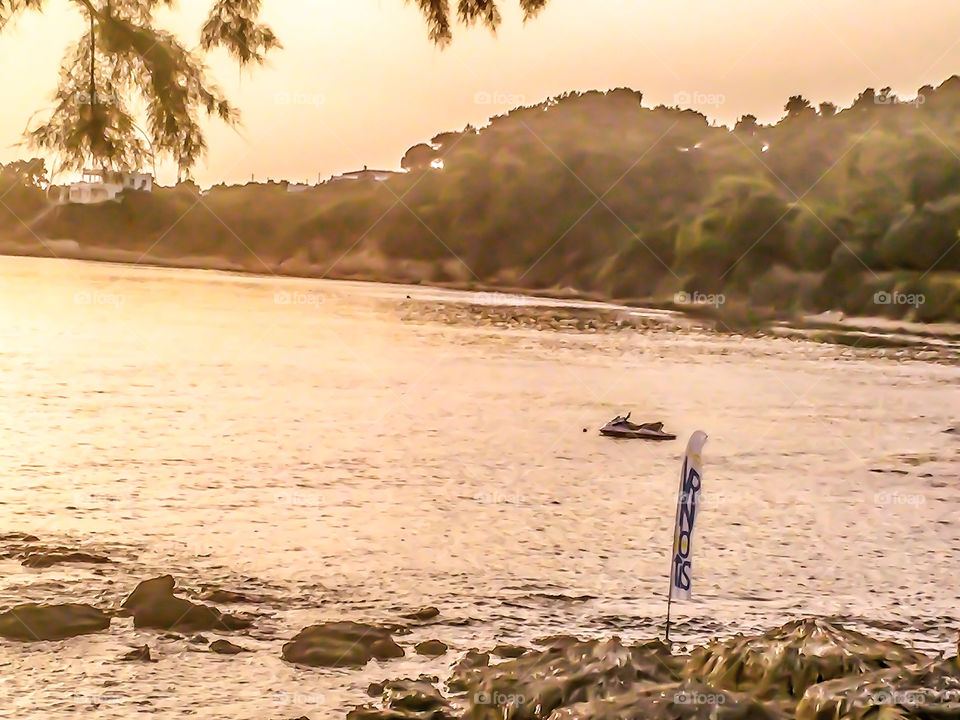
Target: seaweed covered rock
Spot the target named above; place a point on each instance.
(686, 701)
(153, 605)
(785, 661)
(407, 700)
(538, 683)
(930, 691)
(341, 644)
(466, 673)
(32, 621)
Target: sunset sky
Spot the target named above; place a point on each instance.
(358, 82)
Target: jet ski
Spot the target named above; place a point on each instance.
(621, 427)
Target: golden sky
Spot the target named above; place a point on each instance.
(358, 82)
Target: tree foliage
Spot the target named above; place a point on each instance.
(125, 71)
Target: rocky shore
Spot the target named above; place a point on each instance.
(808, 669)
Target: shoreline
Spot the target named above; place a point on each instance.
(830, 327)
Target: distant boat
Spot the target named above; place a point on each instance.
(621, 427)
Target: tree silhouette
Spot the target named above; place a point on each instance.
(747, 125)
(798, 108)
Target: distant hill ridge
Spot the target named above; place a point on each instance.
(857, 210)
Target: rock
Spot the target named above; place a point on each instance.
(787, 660)
(225, 647)
(508, 651)
(433, 648)
(552, 683)
(224, 597)
(930, 691)
(153, 605)
(425, 613)
(953, 430)
(375, 689)
(341, 644)
(386, 649)
(140, 654)
(19, 537)
(557, 640)
(678, 701)
(466, 673)
(32, 621)
(198, 640)
(408, 700)
(45, 559)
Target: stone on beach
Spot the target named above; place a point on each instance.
(431, 647)
(341, 644)
(408, 699)
(225, 647)
(425, 613)
(140, 654)
(154, 605)
(32, 621)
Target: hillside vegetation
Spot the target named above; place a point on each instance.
(856, 210)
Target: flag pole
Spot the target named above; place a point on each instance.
(673, 547)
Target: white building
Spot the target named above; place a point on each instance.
(98, 186)
(366, 174)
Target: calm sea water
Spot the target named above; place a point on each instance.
(337, 452)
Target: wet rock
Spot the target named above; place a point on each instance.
(466, 673)
(225, 647)
(557, 640)
(930, 691)
(505, 650)
(224, 597)
(680, 701)
(31, 621)
(153, 605)
(433, 648)
(341, 644)
(140, 654)
(426, 613)
(45, 559)
(408, 700)
(541, 682)
(18, 537)
(784, 662)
